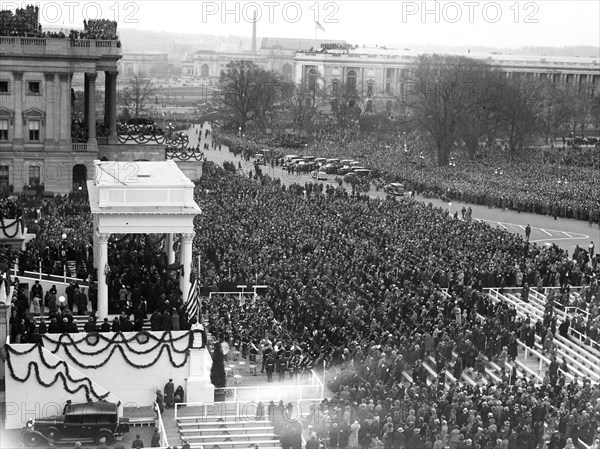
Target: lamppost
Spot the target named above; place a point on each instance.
(240, 132)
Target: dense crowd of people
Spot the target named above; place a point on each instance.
(355, 283)
(380, 291)
(24, 22)
(561, 182)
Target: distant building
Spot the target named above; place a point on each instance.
(42, 149)
(275, 54)
(377, 74)
(147, 63)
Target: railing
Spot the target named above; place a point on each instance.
(558, 307)
(239, 294)
(277, 393)
(241, 411)
(521, 309)
(64, 45)
(161, 426)
(79, 147)
(33, 41)
(104, 44)
(39, 275)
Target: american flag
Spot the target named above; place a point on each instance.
(192, 305)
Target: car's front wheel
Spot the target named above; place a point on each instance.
(51, 433)
(107, 435)
(33, 439)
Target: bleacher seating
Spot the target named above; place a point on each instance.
(583, 361)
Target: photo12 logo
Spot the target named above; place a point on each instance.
(250, 12)
(74, 13)
(469, 12)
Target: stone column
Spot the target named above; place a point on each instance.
(185, 256)
(86, 97)
(52, 96)
(91, 119)
(64, 136)
(18, 129)
(110, 106)
(169, 248)
(96, 247)
(199, 387)
(102, 271)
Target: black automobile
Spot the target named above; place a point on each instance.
(87, 423)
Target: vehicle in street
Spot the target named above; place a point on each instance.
(394, 188)
(86, 422)
(319, 175)
(290, 157)
(259, 158)
(361, 171)
(344, 169)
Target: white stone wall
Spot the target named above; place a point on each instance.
(131, 385)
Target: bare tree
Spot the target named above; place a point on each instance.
(345, 103)
(584, 101)
(248, 93)
(138, 92)
(440, 94)
(519, 111)
(480, 112)
(556, 107)
(300, 103)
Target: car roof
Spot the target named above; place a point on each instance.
(395, 184)
(92, 408)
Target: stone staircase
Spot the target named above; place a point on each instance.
(224, 426)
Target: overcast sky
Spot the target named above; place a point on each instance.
(504, 23)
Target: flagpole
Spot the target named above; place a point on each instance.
(199, 314)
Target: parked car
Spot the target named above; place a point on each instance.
(86, 422)
(361, 171)
(319, 175)
(395, 188)
(344, 170)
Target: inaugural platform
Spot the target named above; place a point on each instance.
(141, 198)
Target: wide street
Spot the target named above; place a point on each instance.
(565, 233)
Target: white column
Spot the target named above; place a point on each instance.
(52, 97)
(169, 249)
(91, 117)
(64, 135)
(18, 126)
(95, 240)
(102, 266)
(110, 108)
(185, 256)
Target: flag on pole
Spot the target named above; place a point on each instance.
(192, 305)
(319, 26)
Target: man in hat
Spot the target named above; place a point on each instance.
(169, 392)
(155, 442)
(137, 443)
(37, 290)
